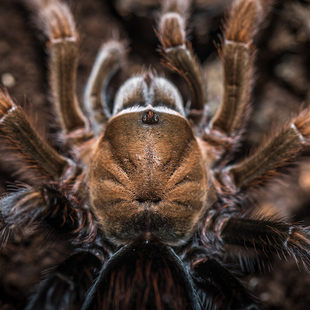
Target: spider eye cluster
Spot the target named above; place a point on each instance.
(150, 118)
(148, 176)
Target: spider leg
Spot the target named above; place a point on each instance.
(266, 162)
(46, 210)
(23, 137)
(66, 286)
(270, 236)
(263, 235)
(56, 20)
(210, 296)
(210, 273)
(225, 129)
(178, 53)
(108, 61)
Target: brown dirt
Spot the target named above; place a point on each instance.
(282, 85)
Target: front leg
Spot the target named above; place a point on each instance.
(225, 129)
(178, 54)
(56, 21)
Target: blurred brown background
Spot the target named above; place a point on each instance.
(281, 88)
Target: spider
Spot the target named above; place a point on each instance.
(146, 190)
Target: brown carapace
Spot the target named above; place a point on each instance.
(149, 199)
(151, 168)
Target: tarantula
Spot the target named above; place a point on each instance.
(147, 192)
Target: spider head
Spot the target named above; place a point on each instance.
(148, 175)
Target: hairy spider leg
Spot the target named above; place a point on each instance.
(34, 204)
(23, 138)
(265, 163)
(264, 236)
(269, 236)
(65, 287)
(109, 60)
(225, 128)
(211, 274)
(56, 20)
(178, 54)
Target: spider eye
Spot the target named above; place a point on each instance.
(150, 118)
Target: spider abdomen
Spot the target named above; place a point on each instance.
(148, 175)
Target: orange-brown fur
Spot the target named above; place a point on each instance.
(156, 169)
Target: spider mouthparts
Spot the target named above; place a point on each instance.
(150, 118)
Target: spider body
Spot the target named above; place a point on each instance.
(151, 185)
(149, 202)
